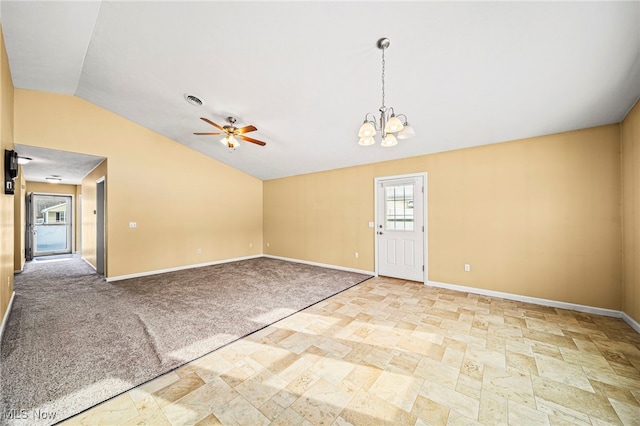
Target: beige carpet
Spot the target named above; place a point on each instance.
(74, 340)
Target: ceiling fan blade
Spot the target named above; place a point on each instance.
(248, 139)
(210, 134)
(212, 123)
(245, 129)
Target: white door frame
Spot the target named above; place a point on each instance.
(101, 222)
(377, 220)
(72, 230)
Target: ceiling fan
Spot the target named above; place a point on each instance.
(232, 132)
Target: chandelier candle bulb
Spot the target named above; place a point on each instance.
(388, 123)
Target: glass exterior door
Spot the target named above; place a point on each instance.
(52, 220)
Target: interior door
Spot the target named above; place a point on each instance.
(400, 228)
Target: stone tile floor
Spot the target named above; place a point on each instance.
(393, 352)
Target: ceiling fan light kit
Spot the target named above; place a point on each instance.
(388, 123)
(230, 142)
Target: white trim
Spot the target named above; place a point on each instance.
(72, 237)
(179, 268)
(633, 323)
(102, 180)
(324, 265)
(544, 302)
(425, 195)
(88, 263)
(425, 218)
(529, 299)
(5, 320)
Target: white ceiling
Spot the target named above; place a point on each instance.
(305, 73)
(70, 167)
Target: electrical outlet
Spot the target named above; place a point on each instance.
(133, 225)
(467, 267)
(250, 245)
(199, 251)
(357, 255)
(268, 244)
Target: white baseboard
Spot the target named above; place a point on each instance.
(510, 296)
(324, 265)
(633, 323)
(5, 319)
(179, 268)
(89, 263)
(529, 299)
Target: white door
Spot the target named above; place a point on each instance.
(400, 227)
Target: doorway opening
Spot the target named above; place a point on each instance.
(49, 225)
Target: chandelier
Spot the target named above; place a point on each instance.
(389, 125)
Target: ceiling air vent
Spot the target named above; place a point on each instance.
(193, 100)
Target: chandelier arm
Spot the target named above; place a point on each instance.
(373, 120)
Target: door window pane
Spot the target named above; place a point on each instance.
(50, 223)
(399, 208)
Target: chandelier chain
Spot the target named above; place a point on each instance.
(383, 63)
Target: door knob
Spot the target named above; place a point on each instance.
(380, 232)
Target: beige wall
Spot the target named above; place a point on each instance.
(537, 217)
(51, 188)
(62, 189)
(6, 201)
(181, 199)
(89, 206)
(630, 129)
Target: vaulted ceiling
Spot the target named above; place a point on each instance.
(305, 73)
